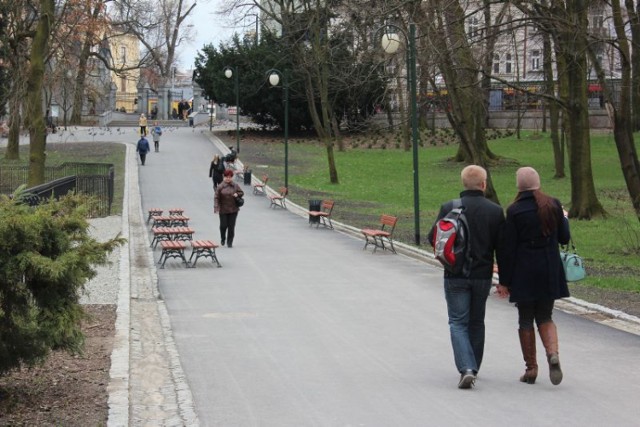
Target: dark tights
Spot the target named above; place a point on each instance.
(228, 226)
(540, 311)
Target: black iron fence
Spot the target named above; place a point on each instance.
(94, 179)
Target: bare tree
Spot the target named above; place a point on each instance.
(35, 116)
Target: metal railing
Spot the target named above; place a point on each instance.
(94, 179)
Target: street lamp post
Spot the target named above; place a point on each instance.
(390, 44)
(273, 76)
(233, 72)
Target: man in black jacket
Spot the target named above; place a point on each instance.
(466, 295)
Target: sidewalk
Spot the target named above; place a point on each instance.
(302, 327)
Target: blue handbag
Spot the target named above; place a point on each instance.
(572, 263)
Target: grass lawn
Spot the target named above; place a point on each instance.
(375, 181)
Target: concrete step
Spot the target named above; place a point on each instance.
(134, 123)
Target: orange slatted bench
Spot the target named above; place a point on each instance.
(203, 248)
(378, 237)
(259, 189)
(172, 249)
(154, 212)
(176, 211)
(323, 215)
(171, 233)
(280, 199)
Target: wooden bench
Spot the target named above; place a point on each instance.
(203, 248)
(280, 199)
(170, 221)
(154, 212)
(378, 237)
(172, 249)
(259, 189)
(161, 234)
(323, 215)
(176, 211)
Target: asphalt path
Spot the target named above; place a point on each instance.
(302, 327)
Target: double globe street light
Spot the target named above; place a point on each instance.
(391, 42)
(228, 73)
(273, 76)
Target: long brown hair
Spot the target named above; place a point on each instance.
(546, 211)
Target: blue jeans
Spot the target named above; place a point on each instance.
(466, 303)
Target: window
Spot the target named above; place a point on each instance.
(123, 54)
(123, 84)
(507, 65)
(496, 64)
(474, 28)
(535, 60)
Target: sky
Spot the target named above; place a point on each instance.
(209, 27)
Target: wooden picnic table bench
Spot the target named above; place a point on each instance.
(170, 221)
(259, 189)
(378, 237)
(176, 211)
(203, 248)
(171, 233)
(280, 199)
(323, 215)
(154, 212)
(172, 249)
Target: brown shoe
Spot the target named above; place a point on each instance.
(528, 346)
(549, 335)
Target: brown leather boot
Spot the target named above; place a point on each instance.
(528, 346)
(549, 336)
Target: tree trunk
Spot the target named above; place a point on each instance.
(634, 21)
(13, 140)
(553, 108)
(35, 115)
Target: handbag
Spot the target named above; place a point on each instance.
(572, 263)
(239, 201)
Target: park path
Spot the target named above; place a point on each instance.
(301, 327)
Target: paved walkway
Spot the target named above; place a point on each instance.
(301, 327)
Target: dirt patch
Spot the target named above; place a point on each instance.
(66, 390)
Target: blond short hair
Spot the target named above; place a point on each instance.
(473, 177)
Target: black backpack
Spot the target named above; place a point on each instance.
(452, 241)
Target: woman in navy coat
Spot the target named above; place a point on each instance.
(532, 272)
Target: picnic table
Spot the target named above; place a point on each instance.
(161, 234)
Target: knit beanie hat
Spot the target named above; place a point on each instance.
(527, 179)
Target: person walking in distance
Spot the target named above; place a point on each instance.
(156, 132)
(466, 293)
(215, 171)
(142, 122)
(532, 274)
(224, 204)
(143, 148)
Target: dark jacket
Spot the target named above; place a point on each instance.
(224, 201)
(486, 223)
(143, 146)
(532, 269)
(216, 169)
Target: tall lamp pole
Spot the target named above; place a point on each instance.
(390, 43)
(273, 76)
(233, 72)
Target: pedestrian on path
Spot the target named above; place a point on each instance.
(466, 295)
(142, 122)
(156, 132)
(215, 171)
(143, 148)
(532, 273)
(225, 205)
